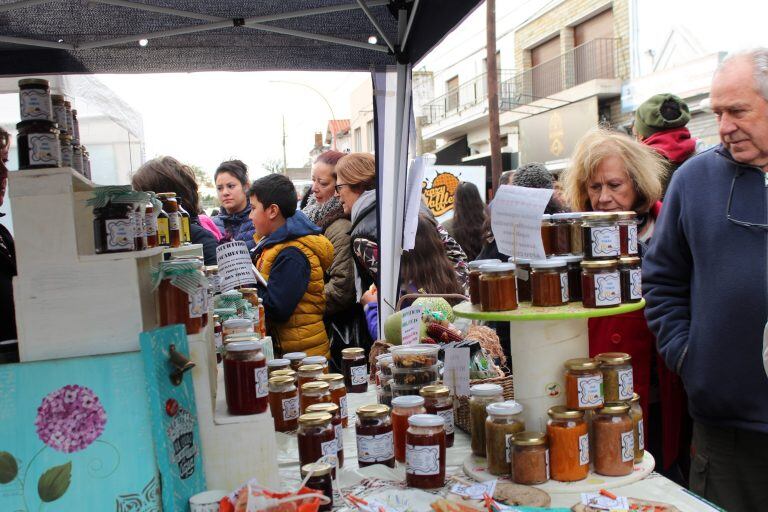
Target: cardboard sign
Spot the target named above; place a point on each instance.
(410, 325)
(456, 372)
(235, 267)
(516, 220)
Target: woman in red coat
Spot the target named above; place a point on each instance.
(610, 172)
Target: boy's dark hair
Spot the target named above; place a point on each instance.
(275, 189)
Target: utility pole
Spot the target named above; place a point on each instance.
(285, 159)
(493, 93)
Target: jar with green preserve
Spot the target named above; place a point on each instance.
(503, 422)
(481, 396)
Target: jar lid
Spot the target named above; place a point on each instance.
(248, 290)
(316, 468)
(486, 390)
(497, 268)
(293, 356)
(635, 398)
(548, 263)
(629, 260)
(566, 215)
(68, 104)
(614, 358)
(408, 401)
(571, 258)
(321, 360)
(57, 97)
(411, 350)
(520, 261)
(29, 122)
(212, 268)
(424, 420)
(310, 368)
(315, 385)
(238, 322)
(561, 412)
(474, 265)
(242, 346)
(600, 216)
(435, 391)
(529, 439)
(581, 363)
(354, 351)
(614, 408)
(33, 81)
(546, 217)
(241, 336)
(281, 379)
(166, 195)
(627, 215)
(285, 372)
(508, 408)
(315, 418)
(373, 411)
(330, 408)
(330, 377)
(596, 264)
(278, 362)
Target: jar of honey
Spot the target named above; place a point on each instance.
(503, 423)
(355, 369)
(314, 393)
(523, 278)
(561, 233)
(583, 384)
(549, 282)
(574, 276)
(474, 278)
(284, 403)
(338, 394)
(438, 400)
(498, 287)
(375, 444)
(568, 444)
(251, 295)
(338, 430)
(600, 236)
(614, 441)
(618, 379)
(600, 284)
(631, 279)
(530, 458)
(321, 360)
(547, 234)
(245, 378)
(178, 300)
(425, 452)
(60, 115)
(316, 438)
(171, 207)
(295, 358)
(402, 408)
(627, 233)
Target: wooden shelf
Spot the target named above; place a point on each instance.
(116, 256)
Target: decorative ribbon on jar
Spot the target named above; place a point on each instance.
(157, 205)
(184, 276)
(117, 194)
(225, 313)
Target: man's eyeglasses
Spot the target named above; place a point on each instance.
(728, 209)
(339, 186)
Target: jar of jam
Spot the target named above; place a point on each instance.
(503, 423)
(574, 276)
(522, 278)
(402, 408)
(35, 100)
(319, 480)
(60, 115)
(321, 360)
(577, 242)
(583, 384)
(338, 394)
(614, 441)
(139, 235)
(38, 144)
(245, 378)
(481, 396)
(171, 207)
(113, 228)
(600, 236)
(561, 233)
(73, 123)
(631, 279)
(316, 438)
(600, 284)
(547, 234)
(163, 233)
(284, 403)
(308, 373)
(355, 369)
(65, 145)
(568, 444)
(218, 341)
(627, 233)
(236, 326)
(638, 432)
(314, 393)
(374, 436)
(338, 429)
(176, 305)
(530, 458)
(549, 282)
(212, 273)
(186, 236)
(425, 452)
(498, 287)
(86, 163)
(618, 381)
(438, 400)
(198, 300)
(474, 278)
(277, 364)
(295, 358)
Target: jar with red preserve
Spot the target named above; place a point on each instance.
(425, 452)
(614, 440)
(277, 364)
(308, 373)
(245, 378)
(316, 438)
(522, 278)
(631, 279)
(600, 235)
(574, 276)
(314, 393)
(600, 284)
(627, 233)
(561, 233)
(530, 458)
(295, 358)
(355, 369)
(547, 232)
(319, 479)
(338, 430)
(498, 287)
(549, 282)
(474, 278)
(583, 384)
(321, 360)
(374, 436)
(284, 403)
(338, 394)
(438, 400)
(180, 294)
(402, 408)
(568, 444)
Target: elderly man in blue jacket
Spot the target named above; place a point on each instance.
(706, 285)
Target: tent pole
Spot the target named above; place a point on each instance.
(408, 28)
(35, 42)
(376, 25)
(318, 37)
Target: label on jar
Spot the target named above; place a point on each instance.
(640, 441)
(632, 239)
(521, 274)
(34, 104)
(185, 229)
(290, 408)
(44, 149)
(584, 449)
(330, 448)
(376, 448)
(635, 284)
(261, 378)
(339, 437)
(359, 374)
(60, 117)
(605, 241)
(197, 302)
(422, 460)
(138, 224)
(447, 416)
(217, 339)
(343, 411)
(174, 222)
(590, 391)
(66, 155)
(150, 224)
(607, 289)
(119, 234)
(508, 446)
(627, 446)
(626, 385)
(564, 285)
(162, 231)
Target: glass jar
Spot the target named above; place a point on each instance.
(503, 422)
(600, 284)
(321, 360)
(218, 340)
(549, 282)
(481, 396)
(38, 144)
(600, 236)
(384, 366)
(522, 278)
(338, 394)
(139, 235)
(631, 279)
(438, 400)
(402, 408)
(171, 207)
(474, 278)
(618, 382)
(245, 378)
(415, 356)
(498, 287)
(374, 436)
(319, 480)
(176, 305)
(295, 358)
(163, 235)
(568, 436)
(577, 242)
(77, 159)
(212, 273)
(574, 276)
(530, 458)
(198, 301)
(338, 429)
(308, 373)
(113, 228)
(65, 146)
(60, 115)
(614, 441)
(73, 123)
(627, 233)
(314, 393)
(425, 452)
(186, 235)
(251, 295)
(277, 364)
(355, 369)
(547, 233)
(561, 233)
(583, 384)
(638, 432)
(284, 403)
(316, 438)
(35, 100)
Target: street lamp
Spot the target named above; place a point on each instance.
(328, 103)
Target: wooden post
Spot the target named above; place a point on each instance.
(493, 93)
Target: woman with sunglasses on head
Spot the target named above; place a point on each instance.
(232, 184)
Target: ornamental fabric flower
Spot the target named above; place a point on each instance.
(70, 418)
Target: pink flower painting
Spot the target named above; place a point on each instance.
(70, 418)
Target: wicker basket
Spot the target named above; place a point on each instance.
(462, 419)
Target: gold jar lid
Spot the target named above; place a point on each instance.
(307, 368)
(614, 358)
(600, 216)
(627, 215)
(285, 372)
(280, 380)
(629, 260)
(316, 468)
(614, 408)
(313, 419)
(329, 408)
(314, 387)
(530, 439)
(166, 195)
(293, 356)
(435, 391)
(590, 264)
(581, 363)
(331, 378)
(212, 268)
(373, 411)
(354, 351)
(248, 290)
(561, 412)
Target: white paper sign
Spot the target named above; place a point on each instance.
(516, 220)
(475, 491)
(456, 372)
(595, 500)
(413, 200)
(235, 267)
(410, 325)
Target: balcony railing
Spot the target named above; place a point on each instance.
(464, 96)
